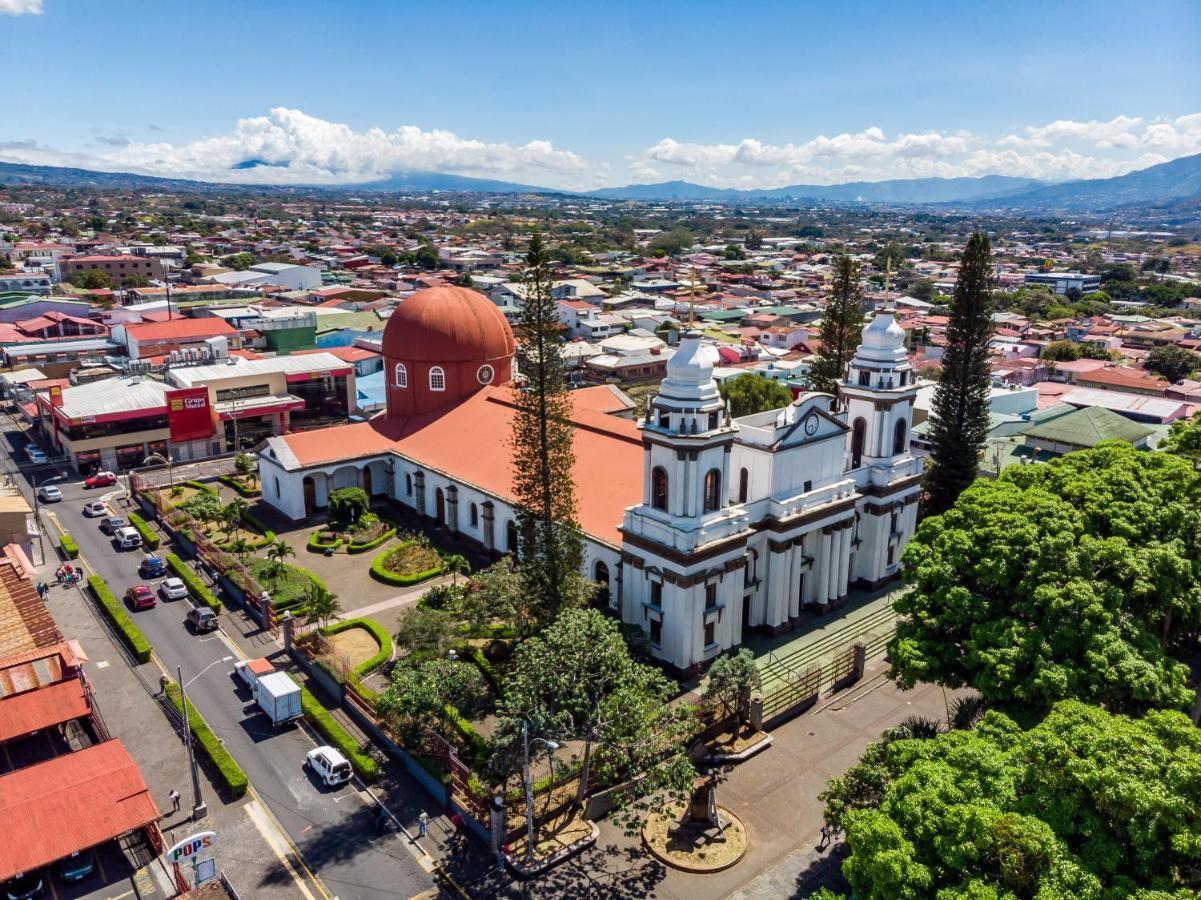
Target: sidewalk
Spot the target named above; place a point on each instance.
(126, 701)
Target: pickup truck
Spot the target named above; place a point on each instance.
(279, 697)
(251, 670)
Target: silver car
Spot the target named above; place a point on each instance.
(173, 589)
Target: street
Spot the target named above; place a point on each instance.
(332, 829)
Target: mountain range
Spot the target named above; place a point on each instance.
(1173, 182)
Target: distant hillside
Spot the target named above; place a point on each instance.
(1177, 179)
(437, 181)
(57, 176)
(901, 191)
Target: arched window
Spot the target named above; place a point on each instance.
(744, 479)
(600, 574)
(475, 516)
(713, 490)
(900, 436)
(858, 436)
(437, 379)
(408, 484)
(659, 488)
(402, 376)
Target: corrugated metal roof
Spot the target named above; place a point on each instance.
(113, 395)
(69, 803)
(306, 362)
(32, 711)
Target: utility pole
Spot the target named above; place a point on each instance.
(199, 809)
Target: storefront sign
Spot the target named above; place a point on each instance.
(56, 395)
(189, 415)
(190, 846)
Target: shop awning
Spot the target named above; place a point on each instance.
(258, 406)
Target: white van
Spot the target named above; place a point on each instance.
(127, 538)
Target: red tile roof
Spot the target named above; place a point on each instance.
(180, 328)
(69, 803)
(32, 711)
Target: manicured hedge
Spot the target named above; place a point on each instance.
(196, 587)
(485, 667)
(329, 728)
(380, 573)
(231, 773)
(377, 631)
(240, 488)
(373, 543)
(131, 635)
(201, 486)
(69, 547)
(268, 536)
(315, 546)
(476, 743)
(150, 540)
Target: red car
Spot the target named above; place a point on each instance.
(100, 479)
(140, 597)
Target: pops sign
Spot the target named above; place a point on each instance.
(191, 847)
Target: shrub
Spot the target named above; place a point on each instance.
(201, 486)
(196, 587)
(477, 745)
(242, 489)
(348, 504)
(150, 540)
(380, 570)
(377, 631)
(485, 667)
(329, 728)
(69, 547)
(131, 635)
(373, 543)
(231, 773)
(317, 545)
(253, 522)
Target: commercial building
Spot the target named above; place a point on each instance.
(120, 269)
(1062, 282)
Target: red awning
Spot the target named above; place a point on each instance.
(70, 803)
(34, 710)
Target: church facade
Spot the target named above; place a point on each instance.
(699, 527)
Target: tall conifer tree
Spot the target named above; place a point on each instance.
(959, 413)
(842, 325)
(550, 548)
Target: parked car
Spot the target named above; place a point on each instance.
(201, 618)
(94, 508)
(140, 597)
(127, 538)
(77, 866)
(329, 765)
(153, 567)
(173, 589)
(24, 886)
(112, 524)
(100, 479)
(35, 454)
(49, 493)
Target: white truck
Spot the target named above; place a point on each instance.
(251, 670)
(279, 697)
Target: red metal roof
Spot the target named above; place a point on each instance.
(70, 803)
(35, 710)
(180, 328)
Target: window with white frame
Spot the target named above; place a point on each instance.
(402, 376)
(437, 379)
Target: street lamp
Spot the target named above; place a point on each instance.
(149, 461)
(551, 747)
(37, 511)
(199, 809)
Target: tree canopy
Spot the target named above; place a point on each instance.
(1062, 810)
(1172, 362)
(1077, 578)
(841, 327)
(750, 393)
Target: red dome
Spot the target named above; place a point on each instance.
(447, 325)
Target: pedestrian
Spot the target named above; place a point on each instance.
(825, 837)
(78, 574)
(174, 795)
(500, 860)
(163, 681)
(423, 823)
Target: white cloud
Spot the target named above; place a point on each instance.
(289, 146)
(20, 7)
(1059, 150)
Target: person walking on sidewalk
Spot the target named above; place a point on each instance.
(174, 796)
(825, 841)
(423, 823)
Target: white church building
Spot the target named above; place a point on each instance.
(699, 527)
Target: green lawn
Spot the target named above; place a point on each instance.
(288, 586)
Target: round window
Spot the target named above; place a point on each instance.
(485, 375)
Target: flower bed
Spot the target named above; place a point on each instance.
(377, 631)
(407, 563)
(131, 635)
(380, 539)
(323, 539)
(252, 524)
(243, 489)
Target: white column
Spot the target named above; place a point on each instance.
(844, 561)
(835, 564)
(823, 577)
(796, 555)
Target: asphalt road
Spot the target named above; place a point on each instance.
(333, 829)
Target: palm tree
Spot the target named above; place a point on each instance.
(231, 516)
(320, 606)
(456, 565)
(278, 552)
(241, 548)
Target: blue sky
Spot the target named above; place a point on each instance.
(576, 95)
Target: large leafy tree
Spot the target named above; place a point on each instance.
(1084, 804)
(959, 413)
(1173, 363)
(751, 393)
(577, 681)
(550, 547)
(841, 328)
(1076, 578)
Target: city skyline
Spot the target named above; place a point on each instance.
(558, 97)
